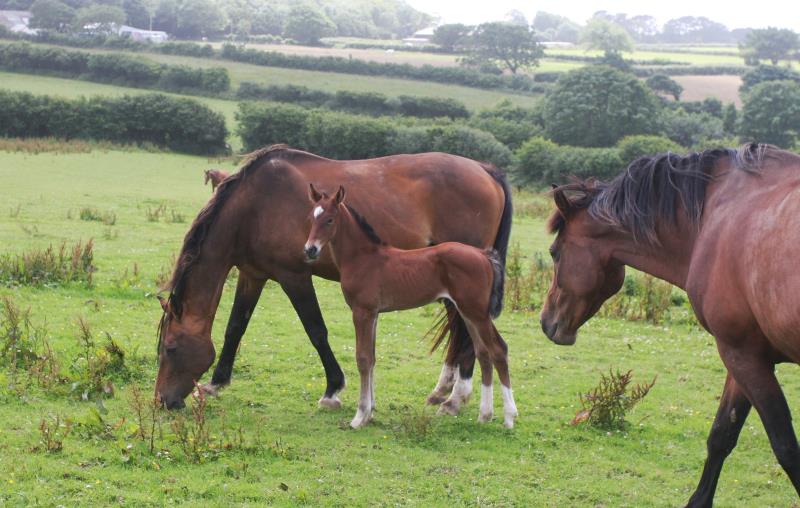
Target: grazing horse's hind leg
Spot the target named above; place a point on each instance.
(733, 410)
(300, 291)
(248, 291)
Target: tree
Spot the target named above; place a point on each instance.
(606, 36)
(664, 84)
(516, 17)
(307, 24)
(451, 36)
(166, 16)
(101, 18)
(764, 73)
(51, 15)
(199, 18)
(773, 44)
(137, 13)
(729, 115)
(771, 113)
(511, 46)
(695, 29)
(598, 105)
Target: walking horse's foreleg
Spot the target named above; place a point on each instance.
(300, 291)
(366, 322)
(248, 291)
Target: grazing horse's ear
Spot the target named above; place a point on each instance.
(164, 303)
(313, 194)
(562, 203)
(339, 197)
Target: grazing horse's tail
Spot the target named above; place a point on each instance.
(498, 271)
(503, 230)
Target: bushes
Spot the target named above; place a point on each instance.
(371, 103)
(771, 113)
(119, 69)
(344, 136)
(540, 161)
(764, 73)
(511, 125)
(182, 125)
(632, 147)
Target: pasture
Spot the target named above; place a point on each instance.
(271, 445)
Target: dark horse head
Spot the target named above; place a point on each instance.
(597, 225)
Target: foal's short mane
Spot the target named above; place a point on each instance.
(656, 188)
(365, 226)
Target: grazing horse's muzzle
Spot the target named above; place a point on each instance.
(177, 403)
(311, 252)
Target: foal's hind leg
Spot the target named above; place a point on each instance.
(449, 374)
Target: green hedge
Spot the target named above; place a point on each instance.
(345, 136)
(692, 70)
(182, 125)
(114, 68)
(371, 103)
(542, 162)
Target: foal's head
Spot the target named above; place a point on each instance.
(324, 220)
(585, 275)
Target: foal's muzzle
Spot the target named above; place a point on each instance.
(311, 252)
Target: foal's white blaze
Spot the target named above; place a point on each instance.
(487, 404)
(509, 406)
(318, 211)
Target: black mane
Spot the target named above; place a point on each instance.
(365, 226)
(655, 188)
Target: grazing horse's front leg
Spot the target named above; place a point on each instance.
(300, 291)
(733, 410)
(248, 291)
(365, 322)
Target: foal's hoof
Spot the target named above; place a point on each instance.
(484, 418)
(509, 420)
(434, 399)
(360, 420)
(449, 408)
(330, 402)
(208, 389)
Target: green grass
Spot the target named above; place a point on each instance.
(309, 456)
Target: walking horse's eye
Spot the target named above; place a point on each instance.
(329, 222)
(554, 253)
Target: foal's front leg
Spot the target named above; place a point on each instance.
(365, 322)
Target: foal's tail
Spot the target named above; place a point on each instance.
(498, 271)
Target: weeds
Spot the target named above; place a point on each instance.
(526, 290)
(52, 434)
(192, 433)
(608, 403)
(642, 298)
(165, 274)
(49, 266)
(416, 424)
(14, 212)
(93, 214)
(161, 212)
(93, 367)
(128, 279)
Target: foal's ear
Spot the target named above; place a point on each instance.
(339, 197)
(313, 194)
(562, 203)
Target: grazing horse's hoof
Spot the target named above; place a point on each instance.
(485, 417)
(209, 389)
(450, 407)
(330, 402)
(434, 399)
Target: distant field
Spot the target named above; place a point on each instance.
(724, 88)
(689, 58)
(473, 98)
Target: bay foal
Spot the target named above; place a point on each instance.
(376, 278)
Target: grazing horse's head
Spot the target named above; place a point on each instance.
(324, 220)
(585, 275)
(184, 354)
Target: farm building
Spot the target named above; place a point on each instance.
(17, 21)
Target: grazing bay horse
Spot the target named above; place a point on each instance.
(376, 278)
(724, 225)
(215, 176)
(256, 221)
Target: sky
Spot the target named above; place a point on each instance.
(767, 13)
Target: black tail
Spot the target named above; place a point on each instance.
(503, 231)
(499, 272)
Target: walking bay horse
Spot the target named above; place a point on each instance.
(215, 176)
(377, 278)
(256, 221)
(725, 226)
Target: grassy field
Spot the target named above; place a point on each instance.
(724, 88)
(290, 453)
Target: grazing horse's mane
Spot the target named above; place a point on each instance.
(365, 226)
(655, 188)
(198, 231)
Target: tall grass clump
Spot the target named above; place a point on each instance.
(608, 403)
(50, 266)
(93, 214)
